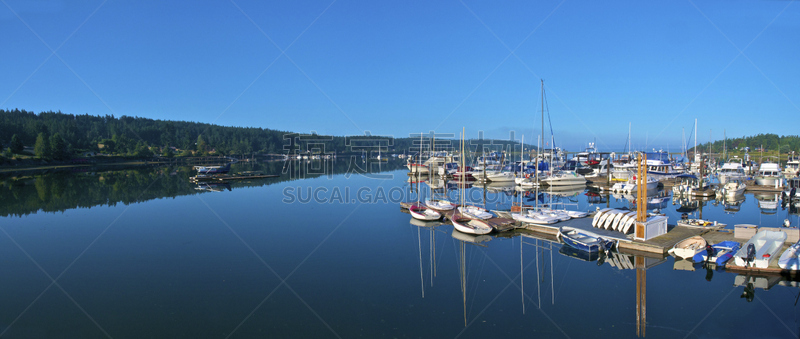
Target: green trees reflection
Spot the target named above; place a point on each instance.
(25, 193)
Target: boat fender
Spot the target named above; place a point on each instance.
(751, 253)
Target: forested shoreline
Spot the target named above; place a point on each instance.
(56, 136)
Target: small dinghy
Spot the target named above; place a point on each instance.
(583, 240)
(420, 212)
(440, 204)
(698, 223)
(720, 253)
(689, 247)
(470, 226)
(577, 214)
(789, 260)
(474, 212)
(599, 215)
(760, 249)
(534, 217)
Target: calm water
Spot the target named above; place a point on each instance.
(144, 253)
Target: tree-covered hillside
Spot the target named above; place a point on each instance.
(57, 135)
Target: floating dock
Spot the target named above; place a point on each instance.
(498, 224)
(231, 177)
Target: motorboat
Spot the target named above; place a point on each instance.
(699, 223)
(789, 259)
(659, 166)
(689, 247)
(484, 173)
(760, 249)
(630, 186)
(583, 240)
(502, 176)
(769, 174)
(792, 189)
(768, 203)
(691, 185)
(732, 188)
(222, 169)
(448, 169)
(720, 252)
(731, 170)
(564, 178)
(792, 168)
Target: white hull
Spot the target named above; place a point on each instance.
(474, 212)
(564, 179)
(767, 181)
(789, 259)
(442, 205)
(767, 244)
(535, 218)
(501, 177)
(417, 168)
(420, 212)
(688, 247)
(471, 226)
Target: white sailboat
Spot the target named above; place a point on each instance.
(469, 219)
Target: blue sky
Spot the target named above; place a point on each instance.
(399, 67)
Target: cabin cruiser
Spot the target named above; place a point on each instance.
(660, 166)
(564, 178)
(731, 170)
(433, 163)
(589, 156)
(792, 168)
(769, 174)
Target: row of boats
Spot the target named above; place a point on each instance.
(757, 252)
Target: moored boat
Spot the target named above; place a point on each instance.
(720, 252)
(769, 174)
(421, 212)
(564, 178)
(689, 247)
(789, 259)
(699, 223)
(534, 217)
(222, 169)
(732, 188)
(760, 249)
(470, 226)
(474, 212)
(583, 240)
(440, 204)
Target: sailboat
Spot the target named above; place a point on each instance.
(469, 219)
(421, 212)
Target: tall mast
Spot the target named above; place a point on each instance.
(695, 139)
(539, 153)
(629, 138)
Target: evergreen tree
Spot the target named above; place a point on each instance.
(58, 147)
(42, 147)
(16, 144)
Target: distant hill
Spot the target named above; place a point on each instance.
(769, 142)
(134, 136)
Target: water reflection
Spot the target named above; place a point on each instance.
(26, 192)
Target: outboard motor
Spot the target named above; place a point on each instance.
(751, 254)
(709, 252)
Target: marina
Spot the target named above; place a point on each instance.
(412, 269)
